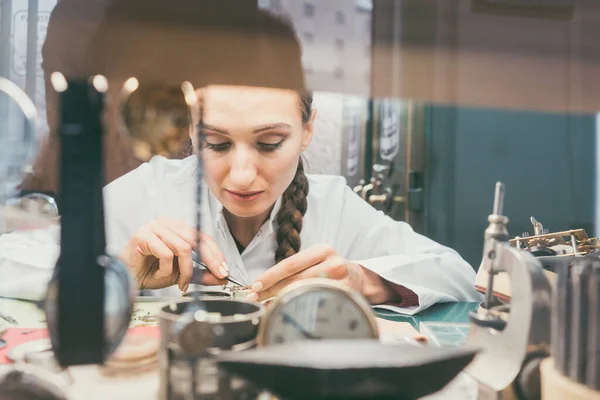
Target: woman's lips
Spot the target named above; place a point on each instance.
(244, 196)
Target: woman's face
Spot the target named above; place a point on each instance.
(253, 141)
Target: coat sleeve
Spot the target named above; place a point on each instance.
(412, 263)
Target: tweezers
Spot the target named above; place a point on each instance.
(200, 267)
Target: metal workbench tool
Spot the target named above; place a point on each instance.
(511, 349)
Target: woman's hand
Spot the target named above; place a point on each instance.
(160, 255)
(321, 261)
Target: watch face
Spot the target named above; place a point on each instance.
(319, 313)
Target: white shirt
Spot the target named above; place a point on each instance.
(335, 215)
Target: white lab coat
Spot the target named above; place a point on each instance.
(335, 215)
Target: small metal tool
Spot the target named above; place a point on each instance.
(200, 267)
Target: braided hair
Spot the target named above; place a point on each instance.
(293, 202)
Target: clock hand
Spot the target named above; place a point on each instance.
(304, 332)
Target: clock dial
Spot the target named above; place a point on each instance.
(318, 310)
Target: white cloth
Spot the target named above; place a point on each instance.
(335, 215)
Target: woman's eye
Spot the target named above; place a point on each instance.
(219, 147)
(269, 146)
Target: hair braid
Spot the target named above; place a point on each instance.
(289, 218)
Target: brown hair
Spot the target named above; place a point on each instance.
(293, 203)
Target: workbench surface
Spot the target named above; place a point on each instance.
(145, 386)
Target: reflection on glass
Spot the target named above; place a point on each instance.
(157, 117)
(18, 119)
(336, 42)
(389, 141)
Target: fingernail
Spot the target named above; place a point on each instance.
(223, 271)
(225, 266)
(186, 287)
(252, 297)
(257, 286)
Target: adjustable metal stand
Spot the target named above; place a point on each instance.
(507, 365)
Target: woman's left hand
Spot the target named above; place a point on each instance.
(319, 261)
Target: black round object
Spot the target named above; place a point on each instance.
(207, 293)
(228, 331)
(189, 341)
(118, 304)
(356, 369)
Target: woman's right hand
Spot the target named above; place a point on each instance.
(160, 255)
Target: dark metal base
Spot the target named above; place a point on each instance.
(348, 369)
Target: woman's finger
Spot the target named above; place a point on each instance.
(293, 265)
(182, 229)
(208, 279)
(212, 256)
(180, 248)
(333, 268)
(146, 244)
(161, 251)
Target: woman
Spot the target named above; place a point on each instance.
(264, 221)
(267, 222)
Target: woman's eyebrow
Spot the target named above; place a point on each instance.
(272, 126)
(215, 129)
(255, 130)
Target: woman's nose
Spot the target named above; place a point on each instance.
(243, 171)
